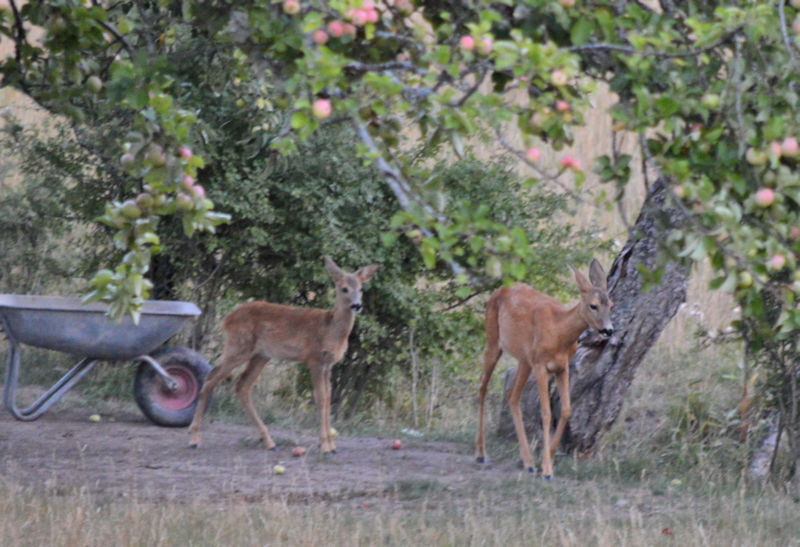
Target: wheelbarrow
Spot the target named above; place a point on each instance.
(167, 382)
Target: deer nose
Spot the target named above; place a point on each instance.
(356, 307)
(607, 332)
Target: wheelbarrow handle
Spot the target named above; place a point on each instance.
(49, 397)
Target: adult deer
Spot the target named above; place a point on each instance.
(542, 335)
(259, 331)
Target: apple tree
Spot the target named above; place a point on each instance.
(707, 88)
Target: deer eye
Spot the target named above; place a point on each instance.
(345, 290)
(593, 306)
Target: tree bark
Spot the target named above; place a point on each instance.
(602, 370)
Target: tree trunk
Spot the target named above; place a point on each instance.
(603, 370)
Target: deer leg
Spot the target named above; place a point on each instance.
(244, 390)
(547, 417)
(562, 383)
(325, 409)
(490, 357)
(514, 396)
(227, 364)
(321, 383)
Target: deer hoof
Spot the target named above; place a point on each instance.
(548, 477)
(193, 445)
(532, 470)
(481, 459)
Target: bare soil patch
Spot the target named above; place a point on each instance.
(125, 455)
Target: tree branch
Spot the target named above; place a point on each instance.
(405, 195)
(356, 69)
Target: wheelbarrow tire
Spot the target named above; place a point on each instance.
(161, 405)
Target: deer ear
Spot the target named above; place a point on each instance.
(597, 275)
(335, 271)
(580, 280)
(365, 274)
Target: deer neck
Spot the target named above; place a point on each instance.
(343, 320)
(573, 323)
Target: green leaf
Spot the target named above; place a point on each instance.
(667, 106)
(581, 31)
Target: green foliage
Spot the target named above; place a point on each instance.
(286, 214)
(39, 227)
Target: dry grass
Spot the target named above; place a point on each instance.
(513, 513)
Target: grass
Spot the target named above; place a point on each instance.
(565, 512)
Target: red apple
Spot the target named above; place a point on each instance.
(559, 77)
(777, 262)
(789, 147)
(291, 7)
(396, 444)
(336, 29)
(322, 108)
(319, 37)
(533, 155)
(755, 157)
(298, 451)
(358, 17)
(765, 197)
(405, 7)
(562, 106)
(467, 43)
(484, 46)
(569, 162)
(184, 202)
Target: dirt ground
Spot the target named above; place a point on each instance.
(125, 455)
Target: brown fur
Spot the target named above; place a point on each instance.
(257, 332)
(542, 335)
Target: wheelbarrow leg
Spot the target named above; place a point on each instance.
(50, 397)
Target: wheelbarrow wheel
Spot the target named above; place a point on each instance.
(162, 405)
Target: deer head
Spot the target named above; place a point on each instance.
(595, 305)
(348, 285)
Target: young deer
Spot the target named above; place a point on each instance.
(542, 335)
(259, 331)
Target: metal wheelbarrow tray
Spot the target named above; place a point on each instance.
(167, 382)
